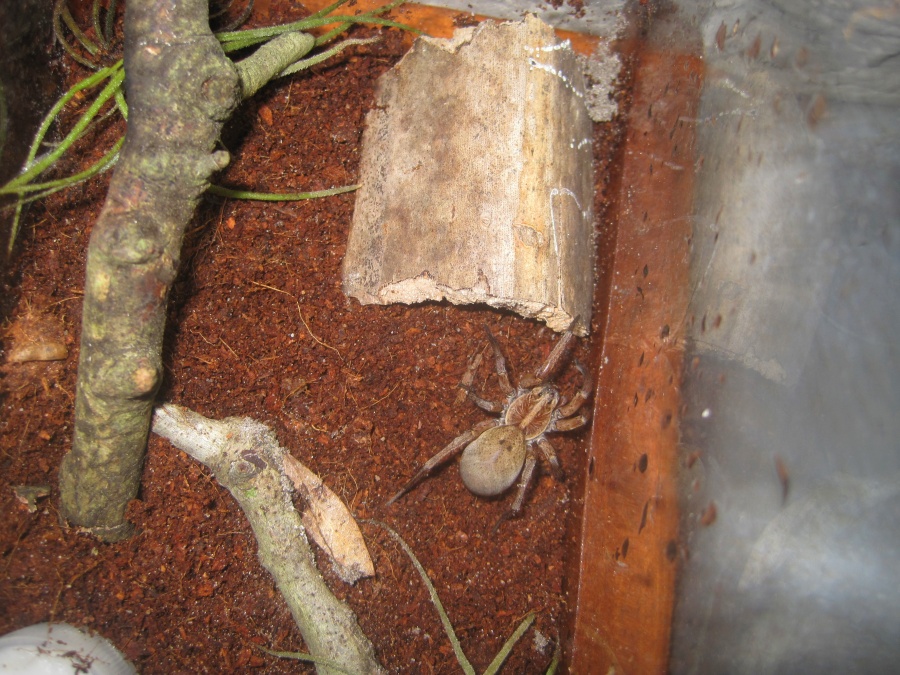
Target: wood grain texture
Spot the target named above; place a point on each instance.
(629, 549)
(479, 190)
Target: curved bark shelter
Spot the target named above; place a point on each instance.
(479, 189)
(181, 88)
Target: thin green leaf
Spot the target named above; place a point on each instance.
(303, 656)
(35, 168)
(368, 19)
(97, 167)
(110, 23)
(328, 10)
(86, 83)
(507, 647)
(232, 40)
(435, 600)
(48, 188)
(61, 15)
(122, 105)
(275, 197)
(554, 664)
(80, 86)
(67, 18)
(95, 20)
(324, 56)
(464, 663)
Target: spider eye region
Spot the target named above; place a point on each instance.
(493, 461)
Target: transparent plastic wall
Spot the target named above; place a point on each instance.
(791, 429)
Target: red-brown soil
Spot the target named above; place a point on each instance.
(259, 327)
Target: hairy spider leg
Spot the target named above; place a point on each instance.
(549, 453)
(524, 481)
(451, 449)
(483, 403)
(550, 368)
(583, 394)
(500, 364)
(569, 423)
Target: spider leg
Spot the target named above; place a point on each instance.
(468, 377)
(483, 403)
(499, 363)
(524, 482)
(570, 423)
(451, 448)
(554, 362)
(549, 453)
(579, 398)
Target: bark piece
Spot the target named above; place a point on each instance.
(477, 180)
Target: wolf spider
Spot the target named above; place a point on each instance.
(500, 450)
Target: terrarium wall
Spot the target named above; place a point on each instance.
(791, 480)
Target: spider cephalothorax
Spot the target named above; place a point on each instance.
(498, 451)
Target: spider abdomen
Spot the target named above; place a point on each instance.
(493, 461)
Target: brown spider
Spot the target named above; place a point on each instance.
(497, 451)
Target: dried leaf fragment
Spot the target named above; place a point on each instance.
(29, 495)
(330, 523)
(37, 337)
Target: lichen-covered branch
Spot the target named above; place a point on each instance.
(180, 88)
(271, 59)
(246, 458)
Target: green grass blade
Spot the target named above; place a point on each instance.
(86, 83)
(52, 186)
(435, 600)
(234, 40)
(324, 56)
(37, 167)
(48, 188)
(95, 20)
(276, 197)
(122, 105)
(67, 18)
(110, 23)
(328, 10)
(61, 16)
(554, 664)
(507, 647)
(58, 106)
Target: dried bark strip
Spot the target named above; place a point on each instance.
(479, 189)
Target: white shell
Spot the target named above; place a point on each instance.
(493, 461)
(50, 649)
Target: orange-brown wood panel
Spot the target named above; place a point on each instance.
(629, 546)
(441, 22)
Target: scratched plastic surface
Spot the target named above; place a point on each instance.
(790, 487)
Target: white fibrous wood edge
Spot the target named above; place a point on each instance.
(476, 178)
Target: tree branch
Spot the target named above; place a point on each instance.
(181, 88)
(246, 458)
